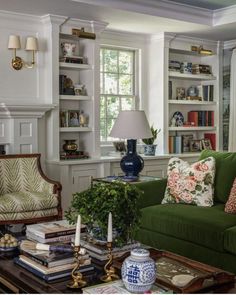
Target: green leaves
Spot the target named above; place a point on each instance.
(154, 136)
(116, 197)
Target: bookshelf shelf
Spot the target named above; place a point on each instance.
(75, 97)
(75, 129)
(71, 66)
(201, 77)
(192, 102)
(194, 128)
(188, 52)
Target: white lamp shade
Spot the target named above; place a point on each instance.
(131, 125)
(14, 42)
(31, 43)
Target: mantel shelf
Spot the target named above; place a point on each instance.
(192, 102)
(194, 128)
(202, 77)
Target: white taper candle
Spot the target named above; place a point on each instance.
(77, 233)
(109, 229)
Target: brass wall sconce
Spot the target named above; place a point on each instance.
(31, 45)
(201, 50)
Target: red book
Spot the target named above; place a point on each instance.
(193, 118)
(212, 138)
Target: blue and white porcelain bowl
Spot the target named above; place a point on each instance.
(138, 271)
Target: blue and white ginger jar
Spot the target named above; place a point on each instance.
(138, 271)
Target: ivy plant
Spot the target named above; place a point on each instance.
(94, 205)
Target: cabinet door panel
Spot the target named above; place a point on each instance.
(82, 179)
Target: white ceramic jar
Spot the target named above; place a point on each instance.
(138, 271)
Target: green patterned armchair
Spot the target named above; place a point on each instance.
(26, 194)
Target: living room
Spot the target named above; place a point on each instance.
(70, 66)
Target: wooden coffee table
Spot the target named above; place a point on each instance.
(14, 279)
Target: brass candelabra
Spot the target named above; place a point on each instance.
(108, 268)
(78, 281)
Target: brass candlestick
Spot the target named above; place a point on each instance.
(77, 277)
(109, 269)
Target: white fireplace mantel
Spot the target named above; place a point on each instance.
(24, 110)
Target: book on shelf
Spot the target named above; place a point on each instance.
(208, 92)
(201, 118)
(72, 59)
(50, 277)
(53, 229)
(118, 287)
(102, 249)
(50, 258)
(50, 270)
(33, 237)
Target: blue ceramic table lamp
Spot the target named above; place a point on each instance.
(131, 125)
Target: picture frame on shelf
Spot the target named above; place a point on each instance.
(63, 118)
(195, 145)
(73, 118)
(206, 144)
(180, 93)
(186, 142)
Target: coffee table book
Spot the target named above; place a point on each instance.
(52, 229)
(52, 276)
(50, 259)
(33, 237)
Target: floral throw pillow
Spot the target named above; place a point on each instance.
(190, 184)
(230, 206)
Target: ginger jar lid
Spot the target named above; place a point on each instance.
(140, 253)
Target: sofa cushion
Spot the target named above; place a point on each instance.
(230, 240)
(225, 173)
(29, 214)
(27, 201)
(230, 206)
(201, 225)
(191, 184)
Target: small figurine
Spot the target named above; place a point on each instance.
(173, 122)
(83, 119)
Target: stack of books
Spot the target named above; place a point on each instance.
(99, 252)
(51, 266)
(201, 118)
(49, 232)
(201, 69)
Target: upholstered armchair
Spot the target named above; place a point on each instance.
(26, 194)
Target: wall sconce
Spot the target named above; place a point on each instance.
(31, 45)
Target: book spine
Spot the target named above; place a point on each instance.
(54, 234)
(171, 144)
(18, 261)
(34, 258)
(193, 117)
(178, 144)
(31, 236)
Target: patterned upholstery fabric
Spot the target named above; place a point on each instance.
(230, 206)
(24, 193)
(26, 201)
(21, 174)
(28, 215)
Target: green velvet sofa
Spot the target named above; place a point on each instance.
(205, 234)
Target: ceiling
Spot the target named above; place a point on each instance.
(208, 4)
(139, 16)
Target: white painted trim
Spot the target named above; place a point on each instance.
(15, 16)
(125, 36)
(187, 39)
(24, 111)
(162, 8)
(224, 15)
(229, 44)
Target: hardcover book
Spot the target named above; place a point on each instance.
(53, 229)
(36, 238)
(50, 277)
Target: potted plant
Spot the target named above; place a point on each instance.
(150, 147)
(94, 205)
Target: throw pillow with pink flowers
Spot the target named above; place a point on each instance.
(190, 184)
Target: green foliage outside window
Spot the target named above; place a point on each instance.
(116, 86)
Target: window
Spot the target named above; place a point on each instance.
(117, 86)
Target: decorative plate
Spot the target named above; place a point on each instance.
(179, 119)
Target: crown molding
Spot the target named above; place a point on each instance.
(224, 16)
(229, 44)
(124, 36)
(53, 19)
(15, 16)
(161, 8)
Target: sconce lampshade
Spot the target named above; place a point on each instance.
(131, 125)
(14, 42)
(31, 43)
